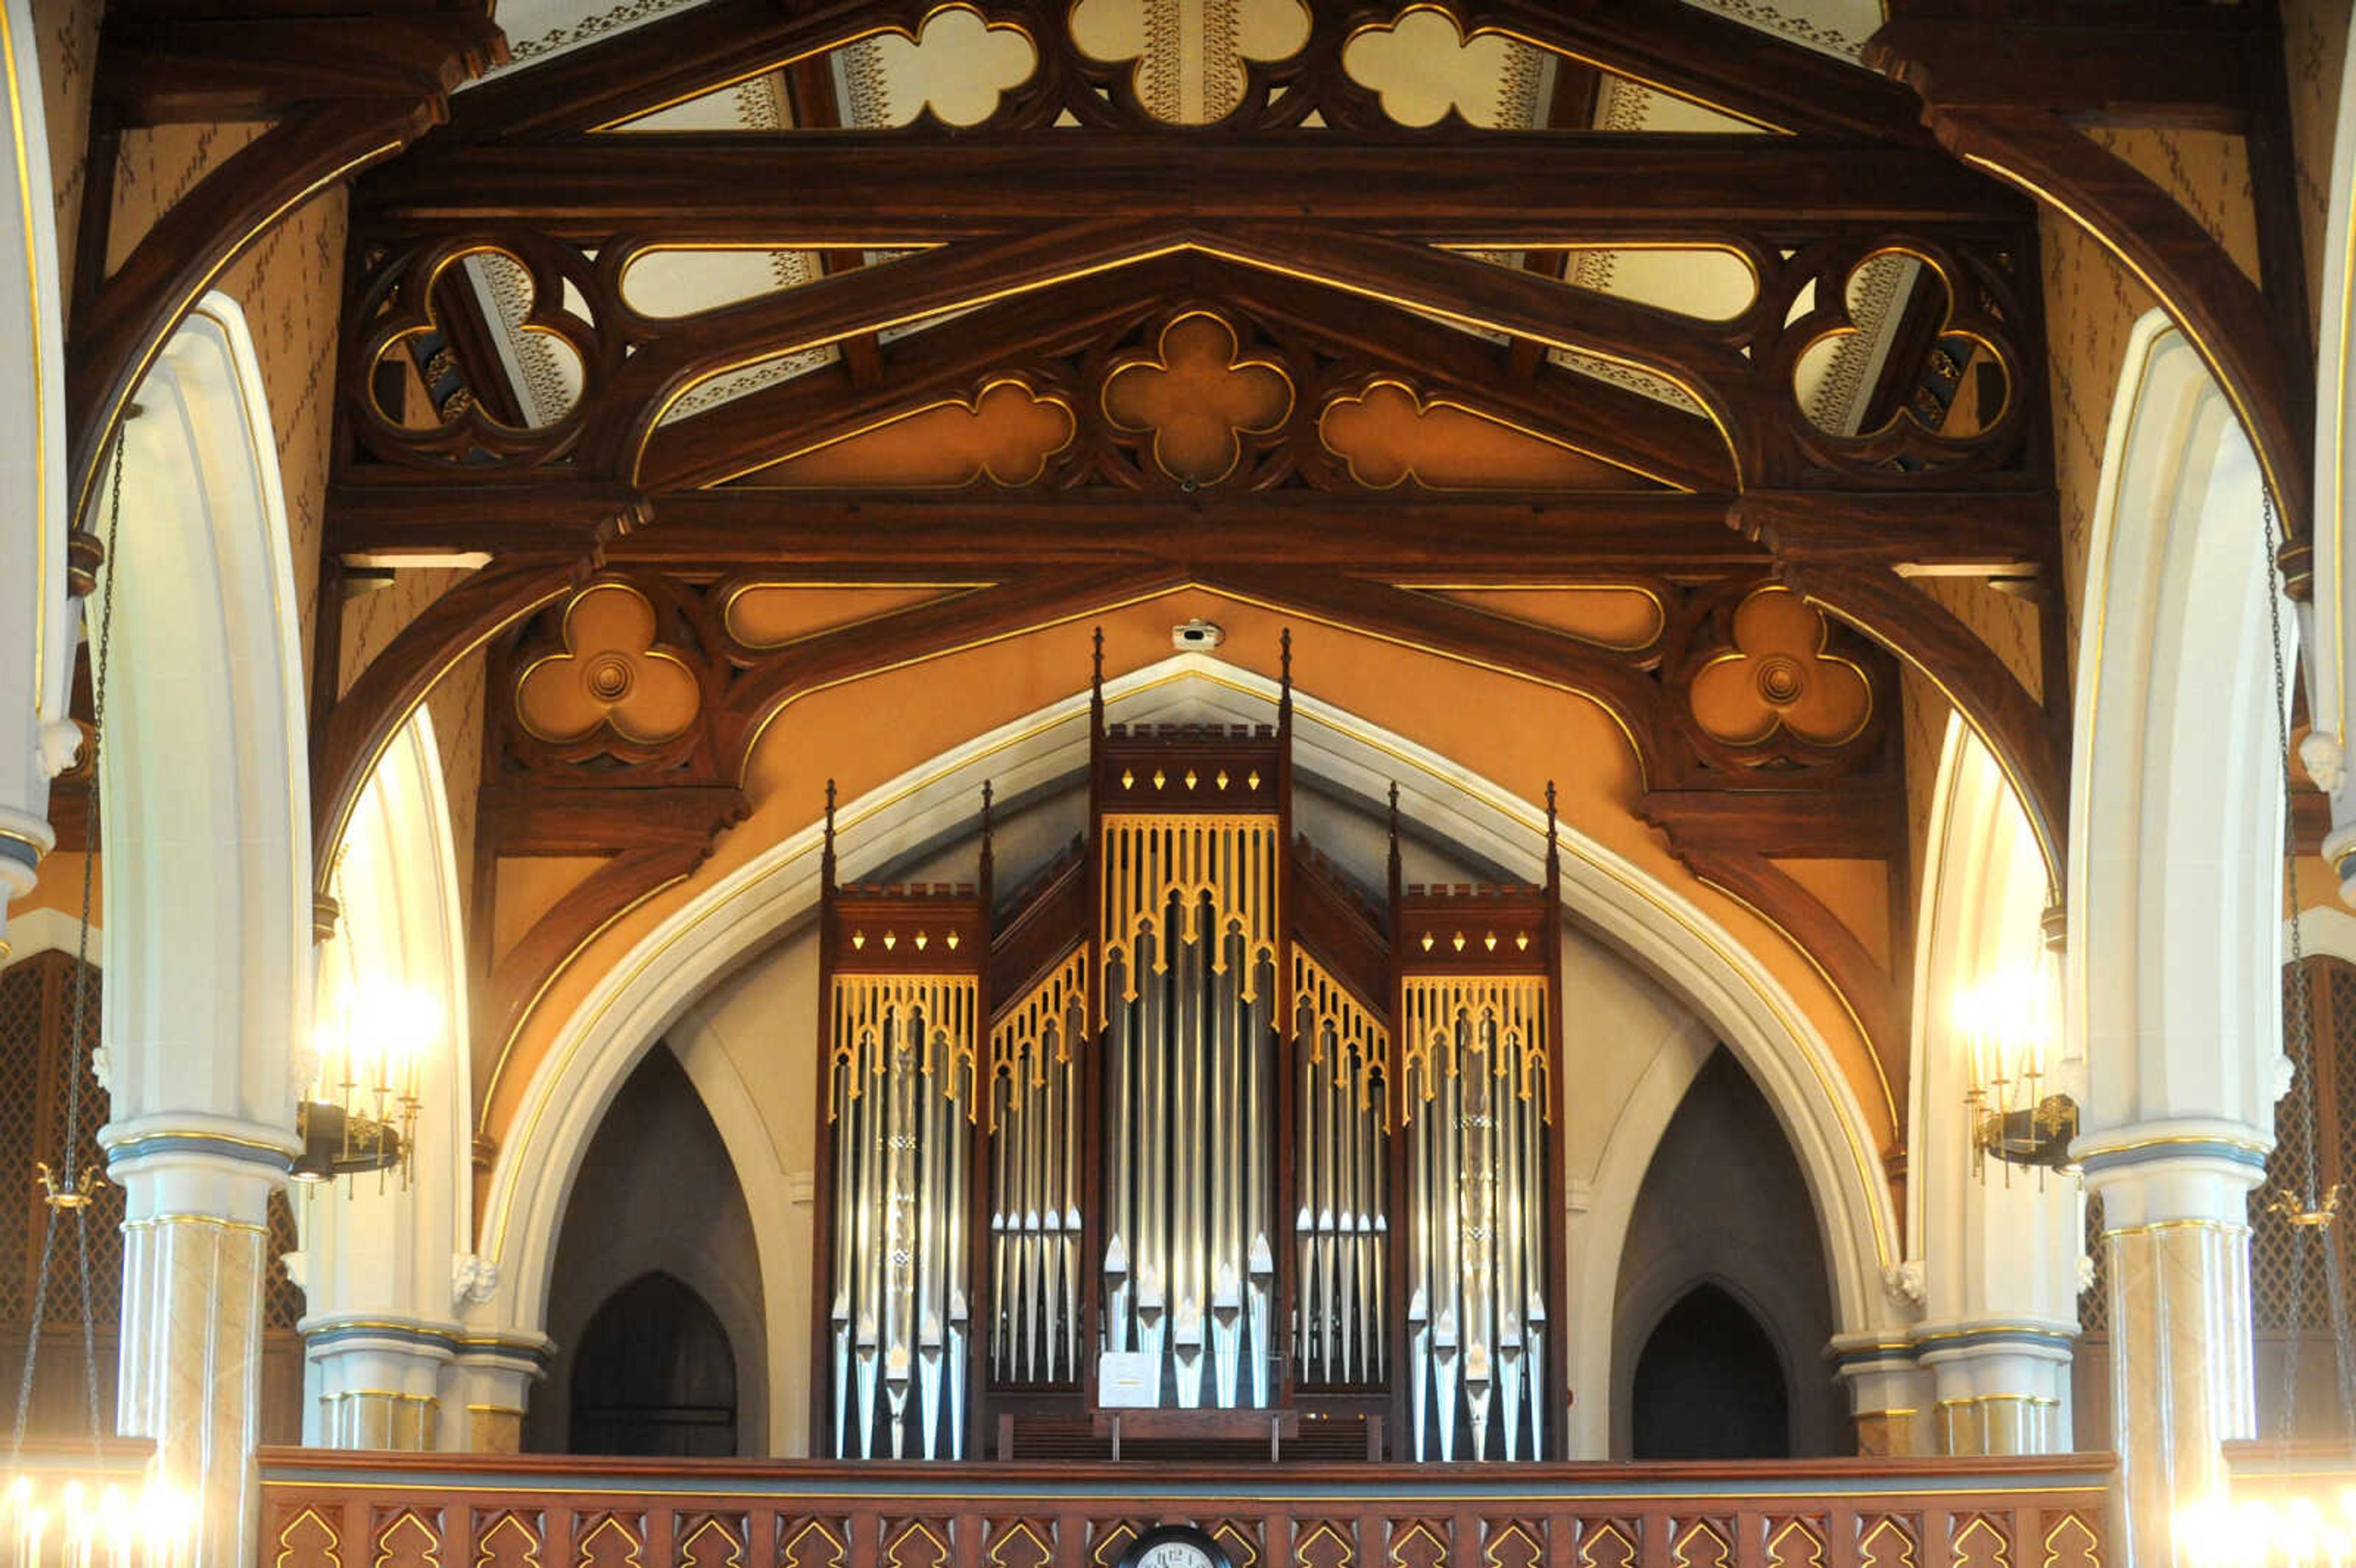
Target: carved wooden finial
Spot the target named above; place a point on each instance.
(1284, 679)
(1096, 683)
(1393, 827)
(1554, 850)
(989, 861)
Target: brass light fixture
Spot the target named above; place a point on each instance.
(360, 1114)
(2012, 1111)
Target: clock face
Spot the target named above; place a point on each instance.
(1174, 1546)
(1174, 1553)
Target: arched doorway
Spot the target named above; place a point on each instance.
(654, 1375)
(1709, 1385)
(1723, 1209)
(657, 1198)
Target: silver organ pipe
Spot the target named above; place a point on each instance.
(1189, 939)
(1035, 1197)
(901, 1100)
(1341, 1160)
(1474, 1056)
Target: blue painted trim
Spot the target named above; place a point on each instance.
(2200, 1149)
(401, 1333)
(24, 854)
(277, 1160)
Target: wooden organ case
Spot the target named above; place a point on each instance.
(1190, 1128)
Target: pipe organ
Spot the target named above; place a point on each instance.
(1192, 1122)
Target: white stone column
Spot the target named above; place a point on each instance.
(195, 1257)
(1886, 1395)
(376, 1383)
(38, 623)
(491, 1381)
(2000, 1388)
(2176, 1237)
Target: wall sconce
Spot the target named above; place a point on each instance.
(360, 1114)
(2007, 1025)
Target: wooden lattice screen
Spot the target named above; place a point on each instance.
(2331, 992)
(37, 1006)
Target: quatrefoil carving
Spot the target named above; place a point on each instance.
(1778, 676)
(1198, 398)
(610, 672)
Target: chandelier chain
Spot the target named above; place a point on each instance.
(79, 1022)
(2302, 1200)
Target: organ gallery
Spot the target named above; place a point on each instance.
(1138, 1139)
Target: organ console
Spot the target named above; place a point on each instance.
(1190, 1122)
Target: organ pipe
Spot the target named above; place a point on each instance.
(1189, 944)
(1197, 1105)
(1034, 1184)
(900, 1104)
(1474, 1055)
(1341, 1160)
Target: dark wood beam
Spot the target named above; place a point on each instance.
(2153, 65)
(887, 188)
(922, 630)
(1386, 270)
(820, 406)
(1511, 536)
(137, 308)
(1983, 691)
(2007, 533)
(400, 516)
(1731, 839)
(382, 696)
(2223, 312)
(1688, 51)
(1505, 536)
(1714, 60)
(155, 71)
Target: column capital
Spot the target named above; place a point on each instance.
(2179, 1173)
(193, 1164)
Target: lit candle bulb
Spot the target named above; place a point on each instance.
(115, 1514)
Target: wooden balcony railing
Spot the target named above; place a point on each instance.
(324, 1509)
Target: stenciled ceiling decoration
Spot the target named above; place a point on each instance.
(1188, 57)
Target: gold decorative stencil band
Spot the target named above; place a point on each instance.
(1227, 863)
(1458, 1016)
(880, 1017)
(1360, 1038)
(1018, 1046)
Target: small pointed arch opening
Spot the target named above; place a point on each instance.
(1709, 1385)
(654, 1375)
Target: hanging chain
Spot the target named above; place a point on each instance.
(2304, 1210)
(66, 1193)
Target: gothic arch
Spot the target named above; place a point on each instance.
(36, 650)
(2176, 812)
(205, 792)
(647, 991)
